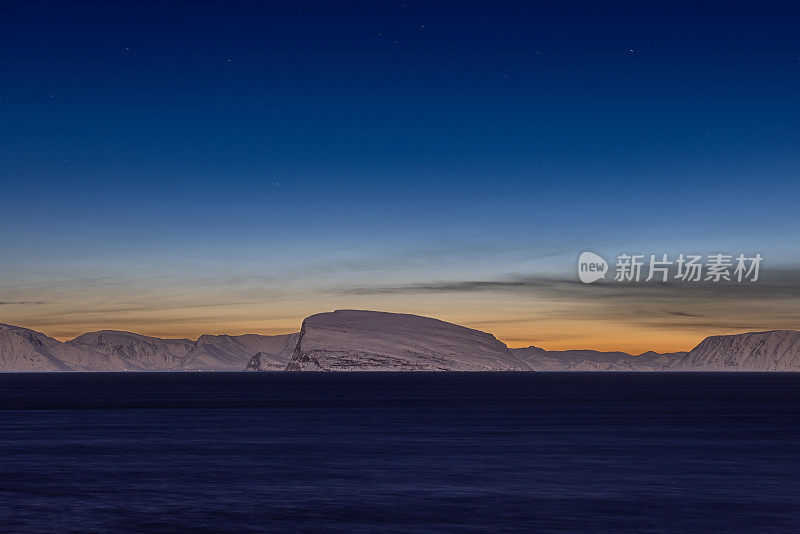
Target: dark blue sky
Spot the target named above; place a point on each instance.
(427, 140)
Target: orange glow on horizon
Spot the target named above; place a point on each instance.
(516, 319)
(556, 335)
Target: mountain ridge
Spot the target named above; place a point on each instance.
(593, 360)
(379, 341)
(26, 350)
(770, 350)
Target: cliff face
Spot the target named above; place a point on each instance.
(352, 340)
(776, 350)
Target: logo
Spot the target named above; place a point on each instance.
(591, 267)
(690, 268)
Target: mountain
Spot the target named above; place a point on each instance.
(140, 352)
(353, 340)
(23, 349)
(539, 359)
(233, 353)
(776, 350)
(276, 360)
(265, 362)
(649, 361)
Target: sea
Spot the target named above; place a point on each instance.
(399, 452)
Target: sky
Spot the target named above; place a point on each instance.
(183, 168)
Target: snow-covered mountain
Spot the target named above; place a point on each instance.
(264, 361)
(23, 349)
(140, 352)
(233, 353)
(649, 361)
(776, 350)
(591, 360)
(352, 340)
(26, 350)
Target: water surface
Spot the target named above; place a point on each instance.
(402, 452)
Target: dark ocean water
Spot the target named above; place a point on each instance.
(400, 452)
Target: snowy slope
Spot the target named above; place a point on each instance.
(140, 352)
(648, 361)
(591, 360)
(278, 358)
(233, 353)
(776, 350)
(22, 349)
(352, 340)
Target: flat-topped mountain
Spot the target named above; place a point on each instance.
(776, 350)
(354, 340)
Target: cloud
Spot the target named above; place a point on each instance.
(683, 314)
(727, 326)
(454, 286)
(783, 284)
(766, 304)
